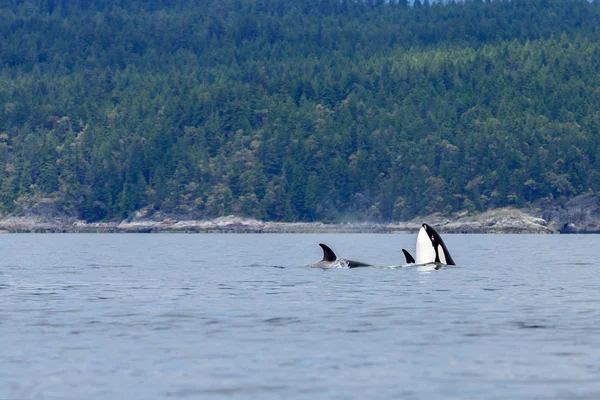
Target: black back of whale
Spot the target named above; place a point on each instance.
(329, 256)
(354, 264)
(409, 258)
(437, 243)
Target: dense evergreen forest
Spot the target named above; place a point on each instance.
(290, 110)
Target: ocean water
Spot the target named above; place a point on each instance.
(94, 316)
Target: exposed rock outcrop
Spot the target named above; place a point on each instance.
(579, 215)
(503, 220)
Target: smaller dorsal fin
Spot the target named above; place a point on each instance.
(409, 258)
(328, 254)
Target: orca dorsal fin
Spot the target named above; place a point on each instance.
(409, 258)
(328, 254)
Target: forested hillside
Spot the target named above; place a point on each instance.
(297, 109)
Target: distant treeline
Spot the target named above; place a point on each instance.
(297, 109)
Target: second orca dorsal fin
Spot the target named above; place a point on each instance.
(328, 254)
(409, 258)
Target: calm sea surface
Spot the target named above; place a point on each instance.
(241, 316)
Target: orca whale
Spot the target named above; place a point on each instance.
(330, 260)
(430, 248)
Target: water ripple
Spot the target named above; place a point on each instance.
(239, 316)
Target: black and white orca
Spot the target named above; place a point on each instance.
(431, 249)
(330, 260)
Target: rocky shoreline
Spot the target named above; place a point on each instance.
(578, 215)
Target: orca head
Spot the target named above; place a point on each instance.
(328, 254)
(431, 248)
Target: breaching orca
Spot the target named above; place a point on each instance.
(330, 260)
(430, 248)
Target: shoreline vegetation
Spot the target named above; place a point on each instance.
(579, 215)
(280, 110)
